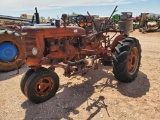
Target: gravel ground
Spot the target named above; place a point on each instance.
(97, 95)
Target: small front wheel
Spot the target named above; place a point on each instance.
(41, 86)
(25, 78)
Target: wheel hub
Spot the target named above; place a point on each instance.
(133, 60)
(44, 86)
(8, 52)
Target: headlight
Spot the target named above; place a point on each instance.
(34, 51)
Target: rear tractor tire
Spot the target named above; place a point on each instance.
(11, 50)
(107, 61)
(41, 86)
(126, 59)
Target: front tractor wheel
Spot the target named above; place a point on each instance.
(126, 59)
(25, 78)
(41, 86)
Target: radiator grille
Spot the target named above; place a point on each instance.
(30, 43)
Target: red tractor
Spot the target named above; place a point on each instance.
(76, 50)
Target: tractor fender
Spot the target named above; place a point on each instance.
(11, 28)
(115, 41)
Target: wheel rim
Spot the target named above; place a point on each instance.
(44, 86)
(8, 52)
(133, 60)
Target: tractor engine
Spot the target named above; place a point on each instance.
(48, 44)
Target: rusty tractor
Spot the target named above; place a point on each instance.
(11, 46)
(76, 50)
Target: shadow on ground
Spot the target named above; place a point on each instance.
(70, 97)
(8, 75)
(135, 89)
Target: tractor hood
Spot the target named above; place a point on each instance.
(52, 31)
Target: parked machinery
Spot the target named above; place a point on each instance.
(76, 50)
(147, 23)
(116, 18)
(11, 45)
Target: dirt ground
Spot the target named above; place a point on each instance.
(95, 96)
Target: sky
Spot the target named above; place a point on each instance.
(55, 8)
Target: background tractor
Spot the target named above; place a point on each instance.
(11, 46)
(116, 18)
(77, 51)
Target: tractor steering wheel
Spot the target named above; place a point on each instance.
(81, 21)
